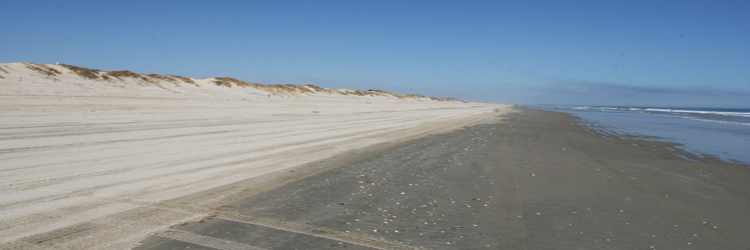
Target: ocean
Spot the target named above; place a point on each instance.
(706, 133)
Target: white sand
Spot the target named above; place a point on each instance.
(90, 164)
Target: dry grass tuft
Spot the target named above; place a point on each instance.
(223, 83)
(316, 88)
(360, 93)
(91, 74)
(290, 88)
(446, 99)
(320, 89)
(368, 93)
(294, 88)
(227, 82)
(165, 78)
(123, 73)
(3, 70)
(172, 79)
(120, 74)
(183, 79)
(409, 96)
(44, 69)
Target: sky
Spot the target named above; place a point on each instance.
(680, 53)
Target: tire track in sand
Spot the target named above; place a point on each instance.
(78, 203)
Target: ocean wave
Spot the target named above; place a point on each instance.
(738, 113)
(733, 116)
(715, 120)
(744, 114)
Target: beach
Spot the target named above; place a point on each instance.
(535, 180)
(138, 162)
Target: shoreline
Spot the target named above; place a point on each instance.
(704, 133)
(644, 195)
(535, 180)
(641, 140)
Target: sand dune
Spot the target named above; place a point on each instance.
(99, 160)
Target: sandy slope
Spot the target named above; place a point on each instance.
(90, 164)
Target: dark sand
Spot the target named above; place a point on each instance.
(533, 181)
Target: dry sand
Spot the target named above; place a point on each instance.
(102, 164)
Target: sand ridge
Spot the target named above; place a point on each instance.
(31, 79)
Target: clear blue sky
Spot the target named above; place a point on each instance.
(645, 53)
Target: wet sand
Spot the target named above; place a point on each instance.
(534, 180)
